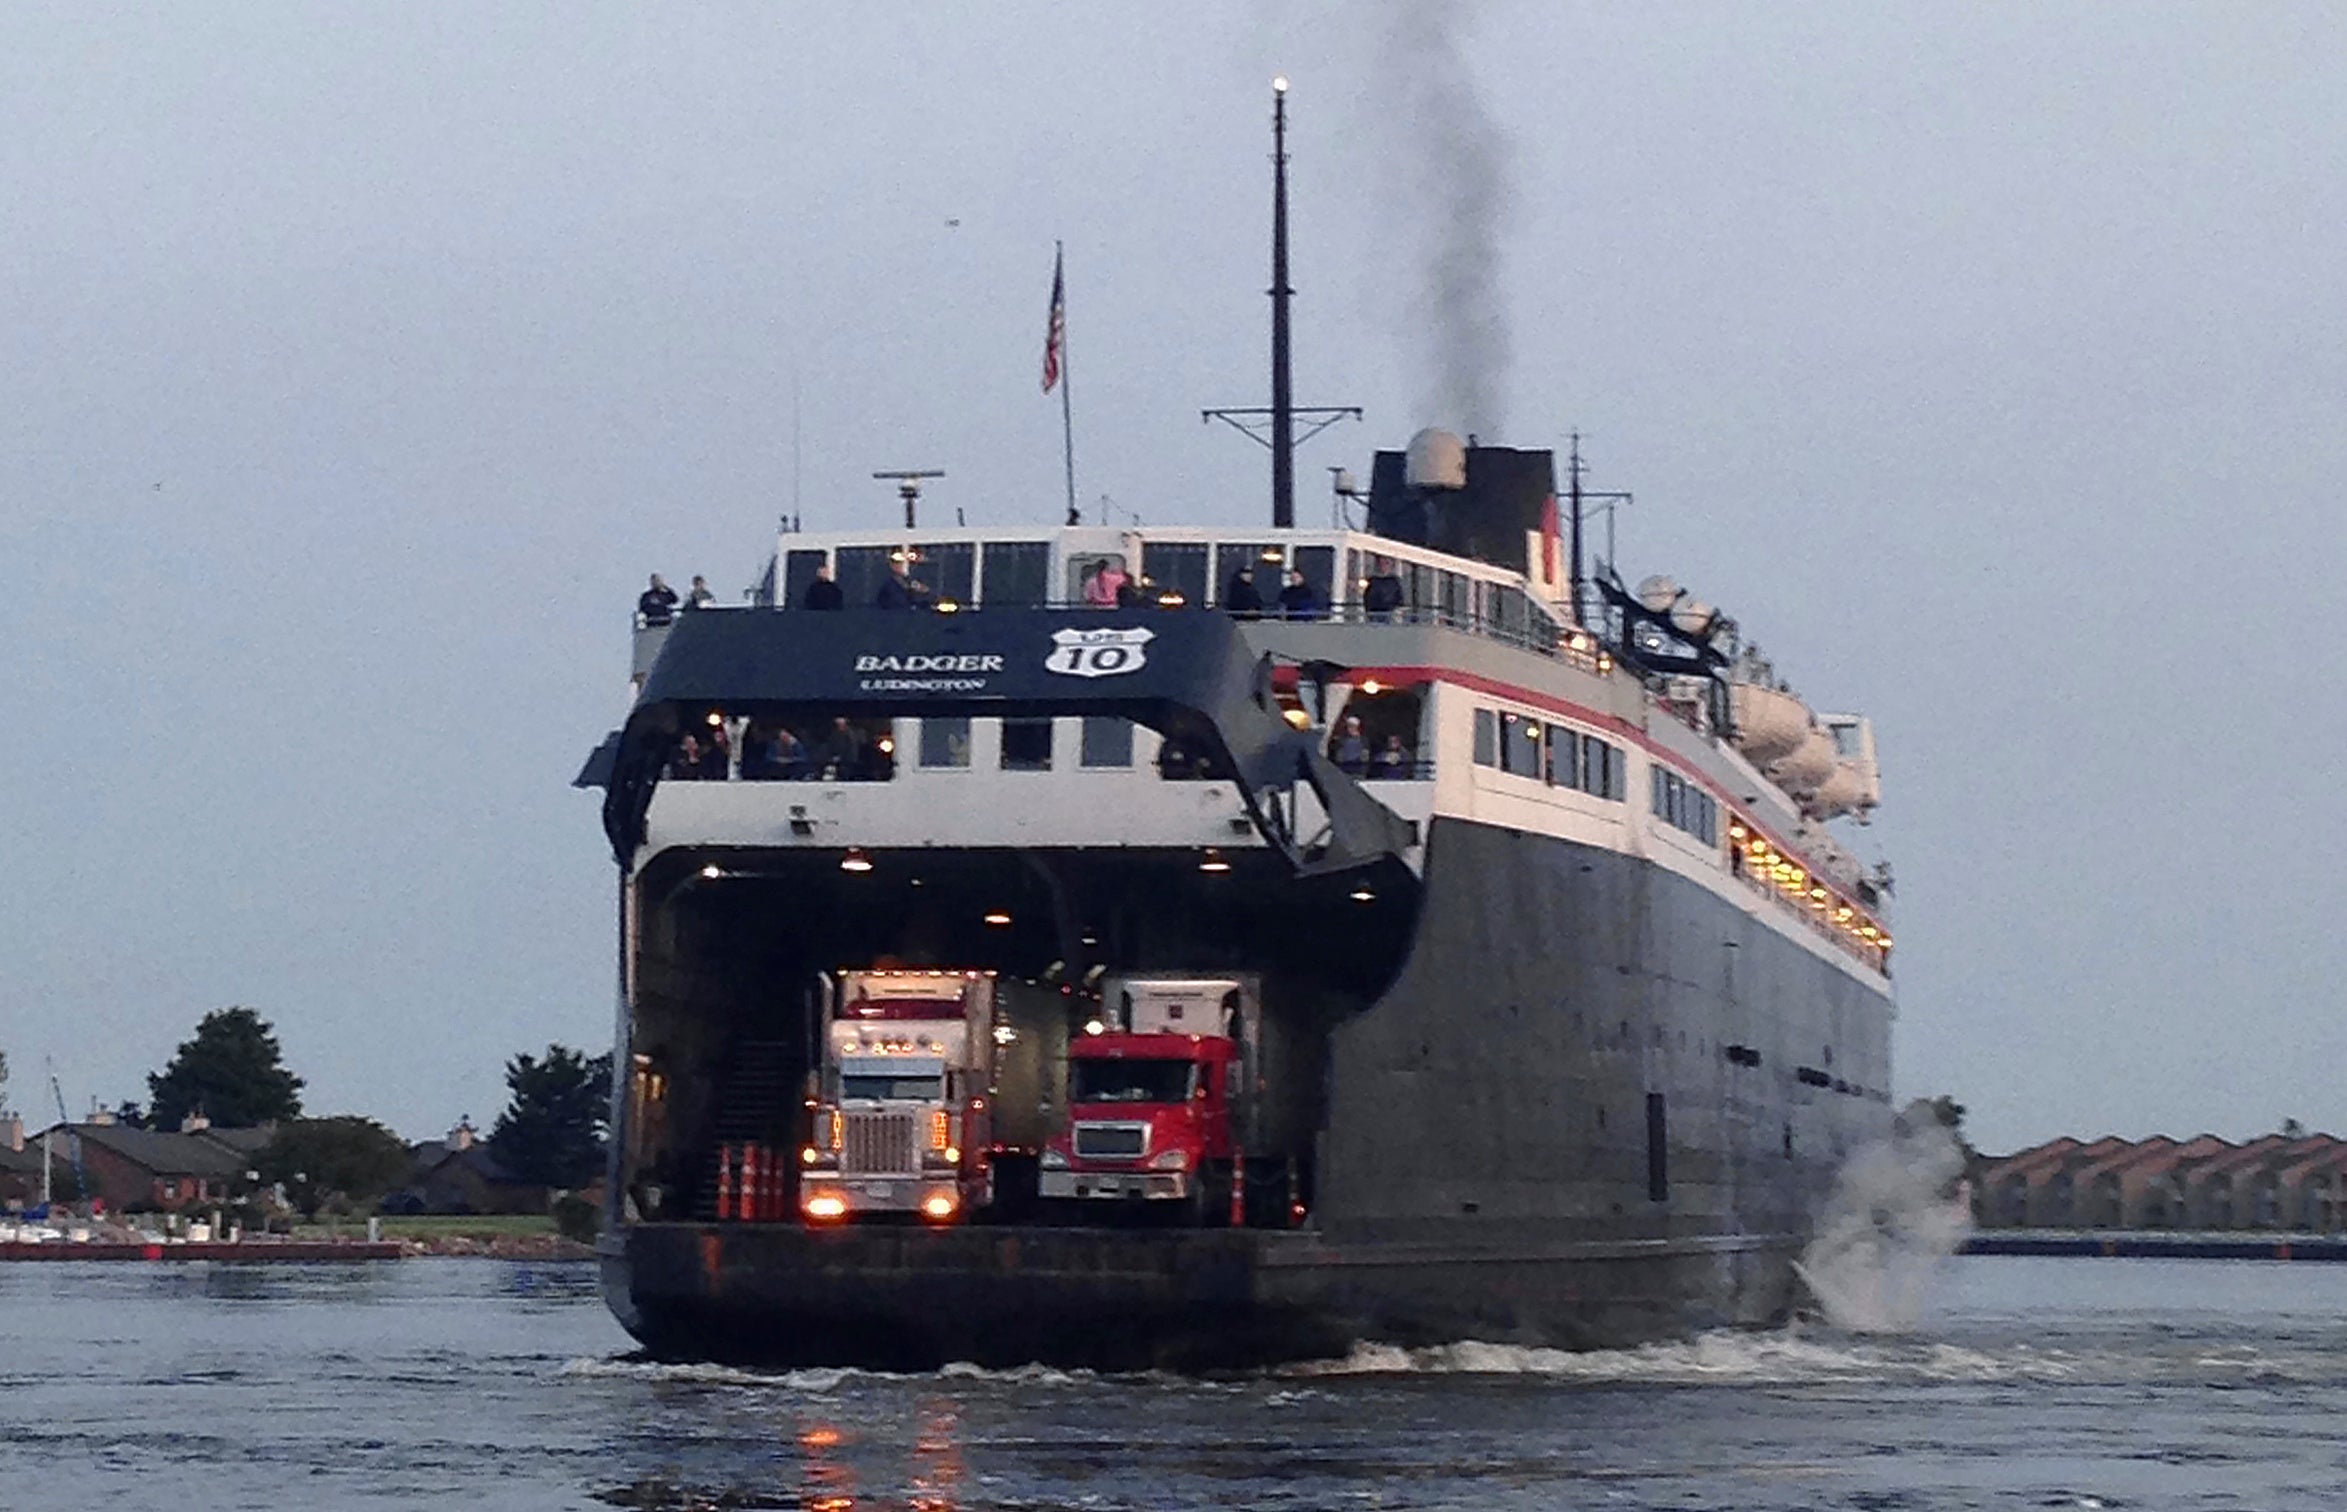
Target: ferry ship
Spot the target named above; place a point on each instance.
(1530, 997)
(1580, 1004)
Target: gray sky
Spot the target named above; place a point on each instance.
(1985, 362)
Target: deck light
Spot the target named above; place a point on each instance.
(856, 860)
(1373, 687)
(1171, 598)
(1094, 1026)
(887, 744)
(1297, 719)
(712, 871)
(1363, 895)
(997, 917)
(948, 606)
(1212, 862)
(716, 718)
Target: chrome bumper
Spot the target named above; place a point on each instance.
(1119, 1185)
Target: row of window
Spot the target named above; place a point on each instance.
(1105, 741)
(1556, 754)
(1682, 805)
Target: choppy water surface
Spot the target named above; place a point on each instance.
(2035, 1383)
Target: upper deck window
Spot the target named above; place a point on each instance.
(1179, 566)
(1318, 564)
(948, 568)
(1261, 565)
(1018, 574)
(945, 742)
(1486, 737)
(1107, 742)
(798, 570)
(1519, 747)
(860, 571)
(1564, 757)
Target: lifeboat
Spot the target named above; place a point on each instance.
(1806, 767)
(1769, 725)
(1843, 791)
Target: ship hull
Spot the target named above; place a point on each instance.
(1599, 1104)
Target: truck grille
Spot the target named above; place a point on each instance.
(878, 1144)
(1111, 1140)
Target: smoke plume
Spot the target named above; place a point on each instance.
(1451, 158)
(1895, 1213)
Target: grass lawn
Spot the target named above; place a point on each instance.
(435, 1226)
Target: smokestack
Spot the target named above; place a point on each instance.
(1283, 408)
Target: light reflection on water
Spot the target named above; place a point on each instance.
(2037, 1383)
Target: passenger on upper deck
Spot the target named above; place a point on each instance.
(685, 765)
(1381, 596)
(895, 591)
(1240, 598)
(1297, 601)
(823, 593)
(657, 604)
(700, 597)
(1391, 760)
(1103, 585)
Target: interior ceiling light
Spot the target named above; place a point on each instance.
(1373, 687)
(1213, 861)
(856, 860)
(1363, 895)
(716, 718)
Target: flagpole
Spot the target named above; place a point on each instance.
(1067, 410)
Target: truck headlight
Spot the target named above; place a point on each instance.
(1169, 1160)
(1055, 1160)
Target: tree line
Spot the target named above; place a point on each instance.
(231, 1072)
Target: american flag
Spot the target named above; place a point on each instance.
(1057, 336)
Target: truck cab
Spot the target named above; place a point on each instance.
(1158, 1104)
(901, 1098)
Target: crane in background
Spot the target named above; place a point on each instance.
(81, 1180)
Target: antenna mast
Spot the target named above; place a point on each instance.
(1280, 434)
(908, 487)
(1283, 403)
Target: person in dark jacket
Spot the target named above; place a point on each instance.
(1383, 596)
(700, 597)
(1297, 601)
(896, 589)
(823, 593)
(1241, 598)
(656, 605)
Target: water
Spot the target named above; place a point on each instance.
(488, 1385)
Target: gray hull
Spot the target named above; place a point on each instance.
(1598, 1105)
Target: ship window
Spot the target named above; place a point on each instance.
(1617, 775)
(1107, 742)
(1260, 564)
(1318, 564)
(1654, 797)
(1602, 774)
(1519, 750)
(860, 572)
(1486, 738)
(798, 570)
(1026, 745)
(945, 742)
(1563, 757)
(1180, 566)
(1017, 573)
(947, 569)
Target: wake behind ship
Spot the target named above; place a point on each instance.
(1092, 957)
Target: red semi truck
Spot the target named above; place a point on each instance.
(1166, 1113)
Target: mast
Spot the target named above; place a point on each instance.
(1283, 409)
(1573, 470)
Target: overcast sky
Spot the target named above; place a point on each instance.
(1986, 363)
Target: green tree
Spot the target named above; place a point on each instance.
(551, 1132)
(324, 1161)
(232, 1072)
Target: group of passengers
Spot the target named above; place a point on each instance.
(657, 605)
(772, 751)
(1353, 754)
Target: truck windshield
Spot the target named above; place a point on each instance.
(892, 1088)
(1129, 1081)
